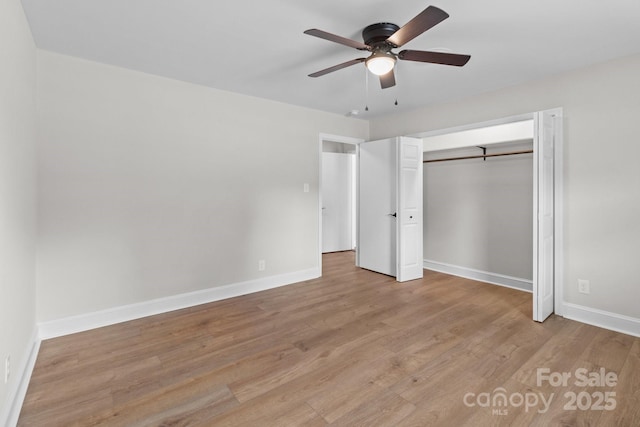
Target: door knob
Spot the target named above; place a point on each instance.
(393, 214)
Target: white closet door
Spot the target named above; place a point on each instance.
(409, 222)
(337, 205)
(544, 211)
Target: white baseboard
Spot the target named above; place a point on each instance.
(603, 319)
(84, 322)
(15, 396)
(481, 276)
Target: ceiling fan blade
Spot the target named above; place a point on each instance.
(434, 57)
(337, 39)
(336, 67)
(388, 80)
(428, 18)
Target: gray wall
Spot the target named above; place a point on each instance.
(17, 194)
(151, 187)
(601, 176)
(479, 214)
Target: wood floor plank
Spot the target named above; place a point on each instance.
(627, 393)
(607, 350)
(444, 406)
(350, 348)
(69, 411)
(560, 353)
(385, 409)
(319, 351)
(181, 405)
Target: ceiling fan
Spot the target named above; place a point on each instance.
(381, 38)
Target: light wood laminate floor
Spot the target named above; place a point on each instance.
(353, 348)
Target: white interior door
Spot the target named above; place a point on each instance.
(377, 166)
(337, 205)
(409, 222)
(544, 211)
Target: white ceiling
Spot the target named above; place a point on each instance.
(258, 47)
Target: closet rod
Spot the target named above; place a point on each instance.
(480, 156)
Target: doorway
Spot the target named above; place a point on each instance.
(338, 197)
(332, 144)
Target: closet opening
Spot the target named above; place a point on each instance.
(493, 204)
(478, 212)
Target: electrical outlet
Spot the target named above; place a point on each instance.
(583, 286)
(262, 265)
(7, 369)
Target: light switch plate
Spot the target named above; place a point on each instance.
(584, 286)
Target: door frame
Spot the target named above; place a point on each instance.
(558, 195)
(333, 138)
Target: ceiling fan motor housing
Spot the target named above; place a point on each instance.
(375, 35)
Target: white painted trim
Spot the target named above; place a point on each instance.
(15, 396)
(84, 322)
(485, 136)
(471, 126)
(341, 139)
(603, 319)
(479, 275)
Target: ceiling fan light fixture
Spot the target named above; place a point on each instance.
(380, 63)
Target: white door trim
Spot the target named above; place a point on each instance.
(471, 126)
(321, 138)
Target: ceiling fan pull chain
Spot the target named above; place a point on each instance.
(366, 89)
(398, 73)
